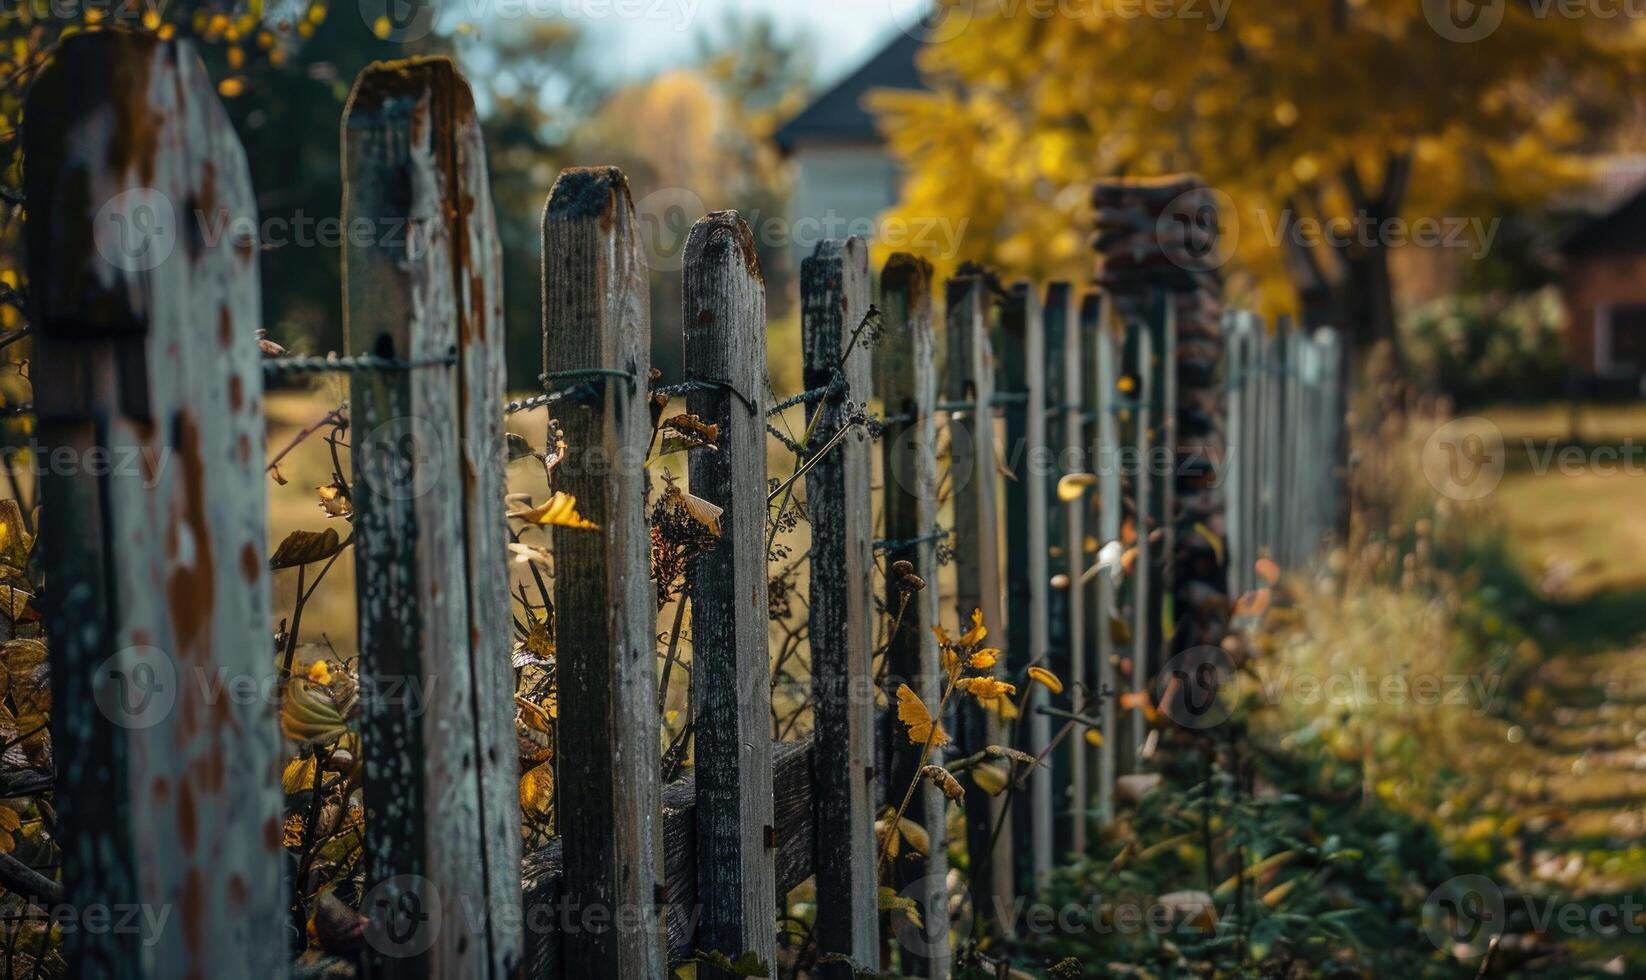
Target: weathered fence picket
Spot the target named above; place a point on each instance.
(1023, 392)
(1066, 610)
(908, 390)
(436, 692)
(977, 567)
(166, 792)
(1097, 316)
(725, 328)
(596, 337)
(834, 298)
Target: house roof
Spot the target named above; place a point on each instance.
(1614, 231)
(838, 115)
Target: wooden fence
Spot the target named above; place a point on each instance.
(1051, 399)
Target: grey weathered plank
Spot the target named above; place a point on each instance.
(437, 696)
(1066, 631)
(596, 318)
(1144, 503)
(792, 784)
(1023, 373)
(834, 298)
(1097, 312)
(725, 327)
(977, 568)
(1237, 534)
(147, 366)
(908, 390)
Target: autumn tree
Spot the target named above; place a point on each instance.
(1356, 113)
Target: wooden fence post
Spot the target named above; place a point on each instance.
(1097, 316)
(437, 696)
(1143, 504)
(1066, 609)
(167, 787)
(725, 327)
(1237, 378)
(596, 337)
(1330, 418)
(1028, 575)
(977, 568)
(834, 299)
(908, 390)
(1273, 365)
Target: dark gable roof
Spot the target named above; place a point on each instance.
(1622, 230)
(838, 116)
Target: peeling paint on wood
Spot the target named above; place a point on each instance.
(146, 337)
(437, 692)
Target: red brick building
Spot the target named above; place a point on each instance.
(1604, 288)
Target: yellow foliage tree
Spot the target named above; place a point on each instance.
(1354, 112)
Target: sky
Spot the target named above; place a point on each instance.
(645, 35)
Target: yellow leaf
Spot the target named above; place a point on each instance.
(1070, 487)
(537, 791)
(990, 779)
(10, 821)
(1211, 539)
(912, 712)
(984, 659)
(1046, 678)
(1094, 738)
(985, 688)
(559, 510)
(915, 835)
(977, 634)
(299, 775)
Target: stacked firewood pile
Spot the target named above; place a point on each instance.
(1158, 240)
